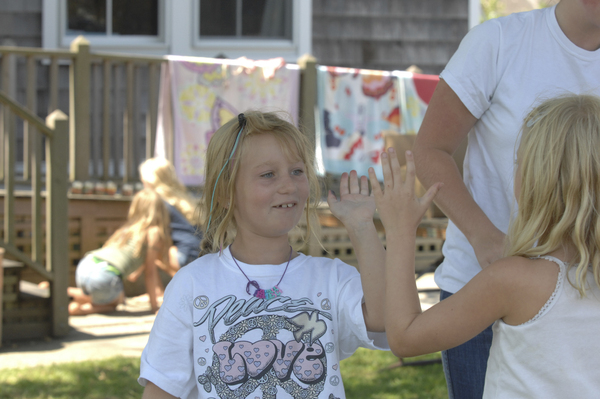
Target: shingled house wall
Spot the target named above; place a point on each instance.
(388, 34)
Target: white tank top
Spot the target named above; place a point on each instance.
(554, 355)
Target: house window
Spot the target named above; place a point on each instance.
(246, 19)
(112, 17)
(256, 29)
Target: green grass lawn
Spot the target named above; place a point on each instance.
(366, 375)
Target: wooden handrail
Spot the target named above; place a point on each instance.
(24, 113)
(21, 257)
(127, 57)
(36, 52)
(43, 53)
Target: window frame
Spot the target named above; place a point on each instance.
(236, 43)
(179, 34)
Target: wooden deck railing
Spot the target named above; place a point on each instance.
(108, 94)
(55, 132)
(112, 104)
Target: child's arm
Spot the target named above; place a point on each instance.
(136, 273)
(153, 253)
(355, 210)
(451, 322)
(153, 392)
(172, 266)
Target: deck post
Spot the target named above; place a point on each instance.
(57, 221)
(9, 146)
(79, 110)
(153, 80)
(308, 102)
(308, 94)
(1, 290)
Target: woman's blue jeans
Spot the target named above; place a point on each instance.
(465, 365)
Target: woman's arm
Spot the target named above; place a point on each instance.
(153, 392)
(446, 124)
(355, 210)
(452, 321)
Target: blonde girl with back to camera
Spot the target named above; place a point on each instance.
(140, 245)
(252, 316)
(159, 174)
(544, 297)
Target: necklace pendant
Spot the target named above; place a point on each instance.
(259, 292)
(268, 294)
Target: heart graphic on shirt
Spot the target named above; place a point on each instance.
(335, 367)
(319, 294)
(229, 365)
(203, 338)
(241, 360)
(308, 366)
(244, 356)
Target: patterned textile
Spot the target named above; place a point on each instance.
(358, 108)
(199, 95)
(414, 93)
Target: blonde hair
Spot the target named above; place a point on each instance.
(147, 210)
(160, 174)
(218, 194)
(559, 167)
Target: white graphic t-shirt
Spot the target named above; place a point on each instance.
(211, 339)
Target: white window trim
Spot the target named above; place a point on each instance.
(54, 32)
(474, 13)
(178, 28)
(259, 48)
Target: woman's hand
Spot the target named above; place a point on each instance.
(401, 211)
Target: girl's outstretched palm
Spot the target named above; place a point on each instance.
(355, 205)
(399, 208)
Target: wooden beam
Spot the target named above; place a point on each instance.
(54, 85)
(24, 113)
(28, 129)
(21, 257)
(57, 221)
(7, 125)
(106, 84)
(79, 110)
(152, 109)
(308, 94)
(128, 125)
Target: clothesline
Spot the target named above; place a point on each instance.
(357, 110)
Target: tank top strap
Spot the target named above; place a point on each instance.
(557, 289)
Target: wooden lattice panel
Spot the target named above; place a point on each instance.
(91, 221)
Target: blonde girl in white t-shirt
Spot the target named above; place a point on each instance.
(252, 316)
(544, 297)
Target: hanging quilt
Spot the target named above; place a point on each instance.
(358, 108)
(199, 95)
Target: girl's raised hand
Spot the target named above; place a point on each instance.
(399, 208)
(356, 205)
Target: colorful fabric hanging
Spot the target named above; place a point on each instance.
(199, 95)
(358, 109)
